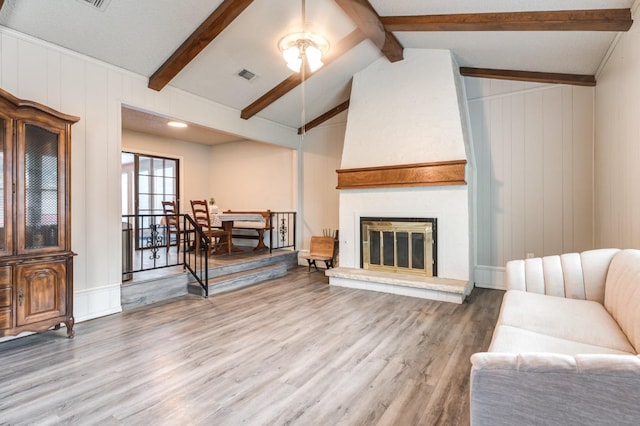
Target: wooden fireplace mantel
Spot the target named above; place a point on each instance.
(420, 174)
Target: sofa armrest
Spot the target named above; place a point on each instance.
(547, 388)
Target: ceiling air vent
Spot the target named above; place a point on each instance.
(247, 75)
(98, 4)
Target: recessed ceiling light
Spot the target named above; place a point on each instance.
(177, 124)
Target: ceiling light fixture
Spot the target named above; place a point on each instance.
(303, 46)
(177, 124)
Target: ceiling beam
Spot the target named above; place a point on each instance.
(538, 77)
(367, 19)
(559, 20)
(324, 117)
(220, 19)
(294, 80)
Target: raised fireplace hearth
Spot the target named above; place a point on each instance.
(402, 245)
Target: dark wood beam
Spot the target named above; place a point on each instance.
(201, 37)
(420, 174)
(539, 77)
(1, 4)
(559, 20)
(324, 117)
(291, 82)
(367, 19)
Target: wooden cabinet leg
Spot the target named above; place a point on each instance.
(70, 332)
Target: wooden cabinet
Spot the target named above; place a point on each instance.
(36, 261)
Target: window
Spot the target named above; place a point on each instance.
(147, 181)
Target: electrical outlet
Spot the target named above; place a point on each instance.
(530, 255)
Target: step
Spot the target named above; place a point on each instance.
(177, 282)
(153, 290)
(241, 279)
(433, 288)
(220, 268)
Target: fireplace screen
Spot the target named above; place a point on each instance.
(406, 245)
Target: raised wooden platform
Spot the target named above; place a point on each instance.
(432, 288)
(226, 273)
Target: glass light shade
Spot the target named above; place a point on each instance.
(314, 57)
(295, 47)
(293, 58)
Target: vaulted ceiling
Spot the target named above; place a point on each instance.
(227, 36)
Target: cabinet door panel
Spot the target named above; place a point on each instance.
(5, 318)
(41, 292)
(41, 177)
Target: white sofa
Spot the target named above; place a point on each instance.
(565, 348)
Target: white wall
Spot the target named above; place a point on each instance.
(617, 150)
(405, 112)
(94, 91)
(534, 160)
(255, 176)
(250, 175)
(322, 152)
(193, 160)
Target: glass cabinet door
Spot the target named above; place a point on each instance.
(39, 171)
(6, 187)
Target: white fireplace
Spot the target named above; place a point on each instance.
(410, 112)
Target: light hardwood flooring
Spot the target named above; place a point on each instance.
(288, 351)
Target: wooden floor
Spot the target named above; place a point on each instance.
(288, 351)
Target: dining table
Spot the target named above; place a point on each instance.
(226, 220)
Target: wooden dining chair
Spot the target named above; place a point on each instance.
(220, 239)
(172, 221)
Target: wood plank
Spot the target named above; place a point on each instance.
(290, 351)
(582, 194)
(1, 4)
(539, 77)
(349, 42)
(324, 117)
(534, 172)
(567, 169)
(220, 19)
(557, 20)
(367, 19)
(552, 171)
(420, 174)
(517, 163)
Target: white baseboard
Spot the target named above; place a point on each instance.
(96, 302)
(489, 277)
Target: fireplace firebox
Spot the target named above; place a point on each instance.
(402, 245)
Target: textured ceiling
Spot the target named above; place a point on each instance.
(139, 35)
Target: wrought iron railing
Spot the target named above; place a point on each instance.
(194, 260)
(283, 232)
(147, 244)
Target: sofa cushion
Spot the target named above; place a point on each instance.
(579, 321)
(622, 293)
(515, 340)
(572, 275)
(595, 265)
